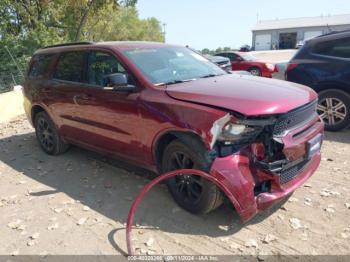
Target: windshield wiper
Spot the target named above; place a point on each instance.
(209, 75)
(175, 82)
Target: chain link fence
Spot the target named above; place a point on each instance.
(13, 65)
(8, 81)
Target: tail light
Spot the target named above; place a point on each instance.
(291, 66)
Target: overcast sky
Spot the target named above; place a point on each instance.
(214, 23)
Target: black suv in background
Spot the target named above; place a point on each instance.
(323, 64)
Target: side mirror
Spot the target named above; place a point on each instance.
(239, 59)
(118, 82)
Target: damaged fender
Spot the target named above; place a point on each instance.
(217, 128)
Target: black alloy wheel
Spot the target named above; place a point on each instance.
(188, 186)
(47, 135)
(193, 193)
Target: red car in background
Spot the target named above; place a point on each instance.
(247, 62)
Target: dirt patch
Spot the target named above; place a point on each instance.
(278, 56)
(51, 205)
(11, 105)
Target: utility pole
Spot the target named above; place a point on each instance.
(13, 79)
(8, 51)
(164, 32)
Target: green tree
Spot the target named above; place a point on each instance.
(27, 25)
(122, 23)
(205, 51)
(218, 50)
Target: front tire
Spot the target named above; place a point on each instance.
(334, 109)
(254, 71)
(47, 135)
(193, 193)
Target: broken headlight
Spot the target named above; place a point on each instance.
(231, 134)
(271, 67)
(234, 136)
(236, 133)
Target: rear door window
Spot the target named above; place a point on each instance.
(40, 64)
(336, 48)
(101, 65)
(71, 66)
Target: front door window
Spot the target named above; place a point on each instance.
(100, 66)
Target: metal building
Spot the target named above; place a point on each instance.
(287, 33)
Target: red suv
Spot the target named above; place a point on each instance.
(247, 62)
(166, 107)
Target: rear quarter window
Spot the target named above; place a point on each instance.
(40, 64)
(336, 48)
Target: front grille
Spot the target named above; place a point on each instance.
(294, 118)
(290, 173)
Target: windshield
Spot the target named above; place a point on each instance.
(247, 56)
(170, 65)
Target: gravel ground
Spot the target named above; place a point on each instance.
(278, 57)
(275, 56)
(77, 203)
(11, 105)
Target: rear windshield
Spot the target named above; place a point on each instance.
(40, 64)
(336, 48)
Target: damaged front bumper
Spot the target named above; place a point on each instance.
(257, 185)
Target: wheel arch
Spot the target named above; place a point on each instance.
(35, 110)
(185, 136)
(166, 138)
(332, 85)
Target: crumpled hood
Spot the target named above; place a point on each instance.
(247, 95)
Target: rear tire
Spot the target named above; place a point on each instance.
(193, 193)
(47, 135)
(334, 109)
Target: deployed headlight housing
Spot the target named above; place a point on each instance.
(236, 133)
(230, 134)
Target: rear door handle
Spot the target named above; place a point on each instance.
(83, 99)
(86, 97)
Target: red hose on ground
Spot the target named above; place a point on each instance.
(157, 180)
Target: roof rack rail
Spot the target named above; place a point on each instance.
(335, 32)
(69, 44)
